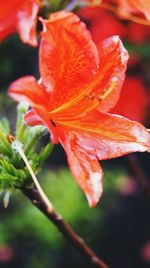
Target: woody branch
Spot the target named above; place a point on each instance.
(35, 197)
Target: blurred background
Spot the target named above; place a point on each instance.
(118, 229)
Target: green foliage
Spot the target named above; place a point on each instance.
(64, 193)
(22, 220)
(141, 50)
(13, 172)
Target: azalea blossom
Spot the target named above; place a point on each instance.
(20, 16)
(80, 83)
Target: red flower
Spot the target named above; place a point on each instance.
(138, 33)
(20, 16)
(102, 23)
(134, 6)
(133, 102)
(80, 83)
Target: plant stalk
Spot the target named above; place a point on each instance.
(34, 195)
(40, 200)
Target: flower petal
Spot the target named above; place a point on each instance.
(134, 6)
(26, 22)
(36, 117)
(19, 15)
(8, 12)
(103, 91)
(109, 79)
(84, 167)
(108, 136)
(143, 6)
(98, 136)
(28, 89)
(32, 118)
(68, 56)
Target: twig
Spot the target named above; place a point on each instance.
(40, 200)
(35, 197)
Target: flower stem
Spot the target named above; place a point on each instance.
(40, 200)
(45, 152)
(21, 131)
(33, 140)
(36, 198)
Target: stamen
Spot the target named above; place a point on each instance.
(104, 93)
(107, 91)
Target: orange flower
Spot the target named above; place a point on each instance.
(135, 6)
(80, 82)
(20, 16)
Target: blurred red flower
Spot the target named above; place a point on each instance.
(79, 84)
(6, 253)
(20, 16)
(137, 33)
(128, 7)
(103, 23)
(133, 102)
(145, 252)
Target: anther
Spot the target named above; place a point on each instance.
(10, 138)
(107, 91)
